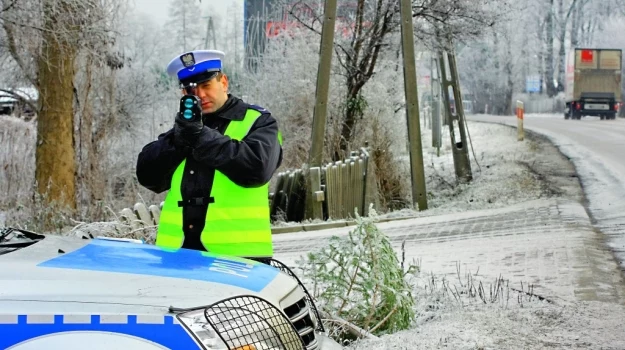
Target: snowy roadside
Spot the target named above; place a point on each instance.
(506, 172)
(531, 325)
(502, 172)
(596, 148)
(511, 173)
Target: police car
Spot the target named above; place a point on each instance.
(69, 293)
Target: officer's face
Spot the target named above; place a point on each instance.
(213, 93)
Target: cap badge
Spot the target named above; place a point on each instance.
(187, 59)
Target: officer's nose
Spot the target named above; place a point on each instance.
(203, 95)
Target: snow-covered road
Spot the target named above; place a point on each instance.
(597, 148)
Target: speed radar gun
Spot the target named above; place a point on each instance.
(190, 106)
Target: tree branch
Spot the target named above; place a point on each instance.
(302, 22)
(20, 98)
(9, 6)
(15, 54)
(25, 25)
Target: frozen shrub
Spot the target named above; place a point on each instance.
(360, 279)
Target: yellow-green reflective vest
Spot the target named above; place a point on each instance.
(237, 223)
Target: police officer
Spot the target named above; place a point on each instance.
(217, 169)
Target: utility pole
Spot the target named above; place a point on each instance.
(419, 194)
(321, 103)
(460, 150)
(435, 108)
(323, 83)
(210, 33)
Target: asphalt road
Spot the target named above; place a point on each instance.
(604, 139)
(597, 149)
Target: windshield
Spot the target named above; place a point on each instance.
(12, 239)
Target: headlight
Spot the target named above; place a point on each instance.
(242, 323)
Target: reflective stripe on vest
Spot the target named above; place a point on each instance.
(237, 223)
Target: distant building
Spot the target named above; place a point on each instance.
(256, 15)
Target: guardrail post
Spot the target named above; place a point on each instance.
(519, 116)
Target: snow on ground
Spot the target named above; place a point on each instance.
(502, 173)
(530, 325)
(511, 172)
(504, 179)
(596, 148)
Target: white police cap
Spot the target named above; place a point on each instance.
(196, 66)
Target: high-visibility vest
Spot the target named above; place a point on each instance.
(237, 222)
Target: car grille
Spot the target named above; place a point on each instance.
(299, 314)
(303, 314)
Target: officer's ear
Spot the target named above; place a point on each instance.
(223, 79)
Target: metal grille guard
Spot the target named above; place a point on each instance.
(249, 320)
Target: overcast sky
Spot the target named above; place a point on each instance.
(221, 10)
(160, 8)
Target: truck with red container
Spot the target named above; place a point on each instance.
(593, 83)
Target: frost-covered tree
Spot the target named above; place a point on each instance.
(121, 95)
(186, 24)
(123, 108)
(366, 30)
(562, 24)
(493, 66)
(497, 64)
(284, 83)
(46, 39)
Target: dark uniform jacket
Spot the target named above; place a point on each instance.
(249, 163)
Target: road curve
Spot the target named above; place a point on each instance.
(597, 148)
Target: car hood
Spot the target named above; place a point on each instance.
(113, 276)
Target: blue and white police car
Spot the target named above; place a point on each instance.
(69, 293)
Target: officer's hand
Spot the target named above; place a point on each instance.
(186, 132)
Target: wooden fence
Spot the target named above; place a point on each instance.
(340, 189)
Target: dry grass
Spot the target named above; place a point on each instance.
(17, 158)
(25, 208)
(390, 177)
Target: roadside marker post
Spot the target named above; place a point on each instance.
(519, 116)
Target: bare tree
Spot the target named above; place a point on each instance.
(369, 25)
(548, 45)
(45, 39)
(186, 21)
(580, 18)
(589, 17)
(566, 14)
